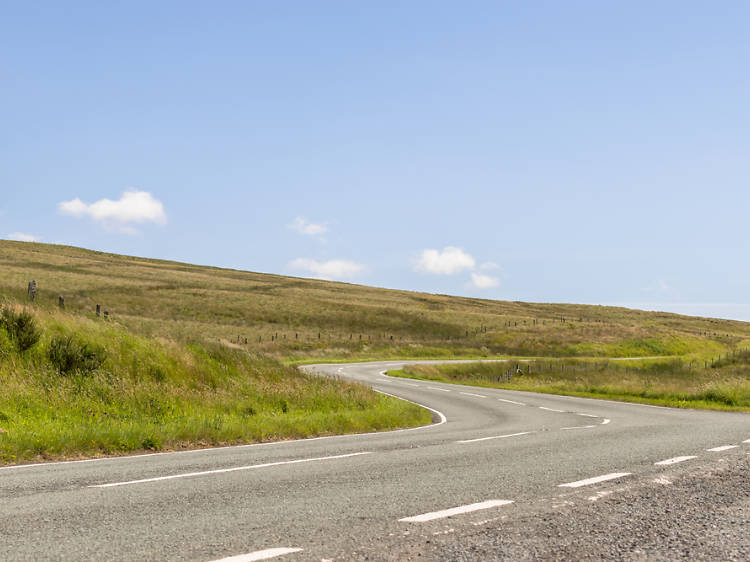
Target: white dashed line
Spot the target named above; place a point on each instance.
(495, 437)
(587, 415)
(409, 384)
(578, 427)
(551, 410)
(225, 470)
(605, 422)
(511, 402)
(260, 555)
(746, 441)
(675, 460)
(472, 394)
(722, 448)
(455, 511)
(595, 480)
(440, 389)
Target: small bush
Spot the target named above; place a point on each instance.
(69, 355)
(21, 328)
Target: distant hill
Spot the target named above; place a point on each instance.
(305, 319)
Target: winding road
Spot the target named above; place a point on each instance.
(455, 489)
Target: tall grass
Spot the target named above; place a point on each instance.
(673, 382)
(156, 395)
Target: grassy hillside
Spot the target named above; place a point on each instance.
(152, 394)
(304, 319)
(192, 356)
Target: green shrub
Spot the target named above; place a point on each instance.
(21, 328)
(68, 355)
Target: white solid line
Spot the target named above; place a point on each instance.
(260, 555)
(471, 394)
(551, 409)
(594, 480)
(224, 470)
(495, 437)
(455, 511)
(675, 460)
(722, 448)
(440, 389)
(443, 419)
(606, 421)
(511, 402)
(579, 427)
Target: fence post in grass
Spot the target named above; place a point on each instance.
(98, 310)
(106, 314)
(32, 289)
(318, 335)
(61, 301)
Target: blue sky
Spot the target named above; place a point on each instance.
(592, 152)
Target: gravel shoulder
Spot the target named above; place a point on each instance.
(698, 514)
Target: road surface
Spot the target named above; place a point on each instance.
(498, 475)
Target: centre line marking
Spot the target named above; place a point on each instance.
(578, 427)
(511, 402)
(471, 394)
(224, 470)
(260, 555)
(746, 441)
(606, 421)
(440, 389)
(551, 410)
(588, 415)
(495, 437)
(675, 460)
(409, 384)
(455, 511)
(595, 480)
(722, 448)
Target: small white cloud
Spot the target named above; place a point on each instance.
(332, 269)
(21, 237)
(480, 281)
(489, 265)
(451, 260)
(303, 226)
(133, 207)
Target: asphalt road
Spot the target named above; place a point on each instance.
(500, 474)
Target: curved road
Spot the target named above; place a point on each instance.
(491, 459)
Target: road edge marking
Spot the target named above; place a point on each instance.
(260, 555)
(423, 518)
(595, 480)
(675, 460)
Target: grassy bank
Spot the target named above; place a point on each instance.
(725, 385)
(148, 394)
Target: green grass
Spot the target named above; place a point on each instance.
(668, 382)
(161, 395)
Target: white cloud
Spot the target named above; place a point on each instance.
(303, 226)
(133, 207)
(480, 281)
(451, 260)
(332, 269)
(488, 265)
(21, 237)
